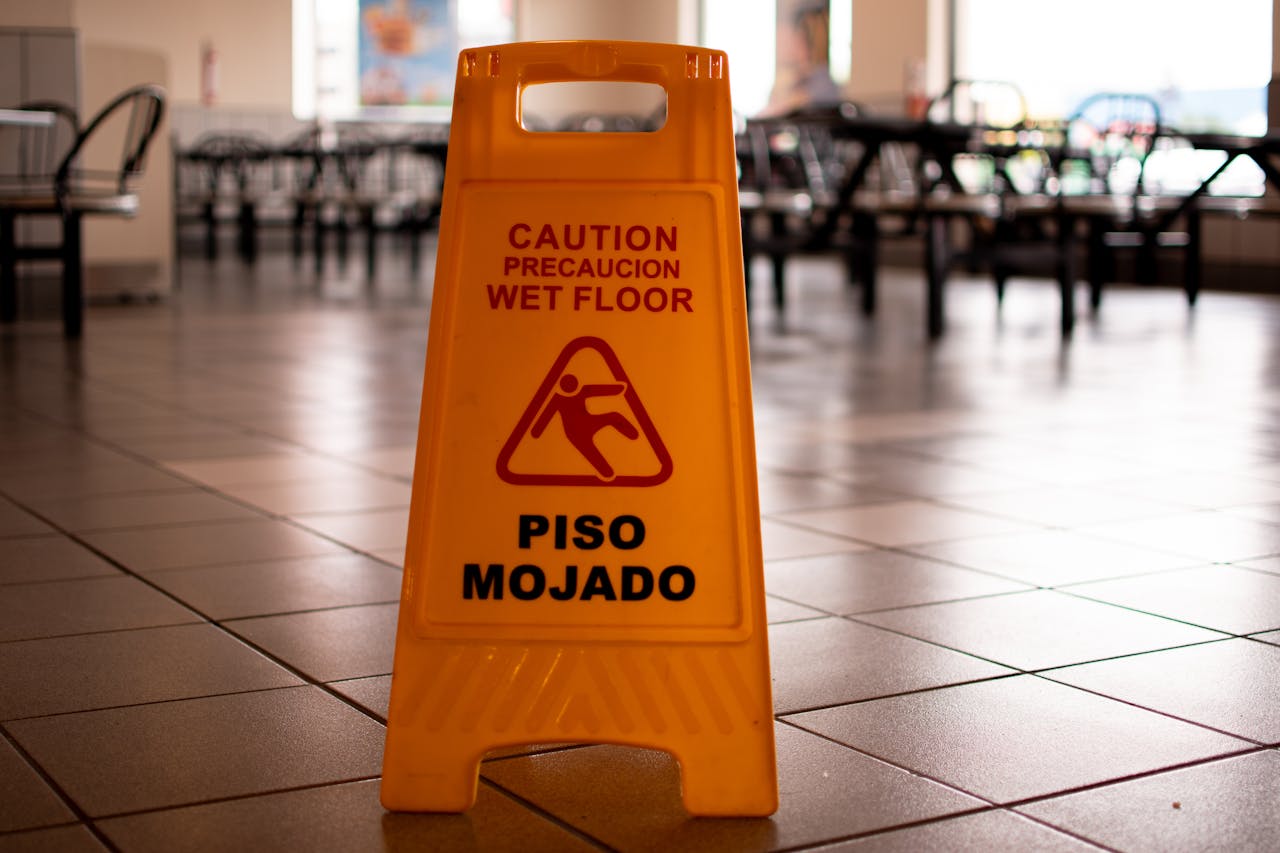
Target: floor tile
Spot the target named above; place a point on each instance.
(781, 610)
(175, 753)
(1203, 490)
(1225, 598)
(629, 799)
(875, 580)
(261, 468)
(328, 645)
(783, 542)
(49, 558)
(1209, 536)
(929, 478)
(351, 492)
(392, 461)
(30, 611)
(282, 586)
(140, 510)
(338, 818)
(167, 449)
(26, 800)
(63, 839)
(65, 458)
(1266, 513)
(901, 523)
(1053, 557)
(829, 661)
(1016, 738)
(391, 556)
(991, 830)
(1036, 630)
(788, 492)
(375, 530)
(1222, 805)
(1266, 564)
(1063, 506)
(209, 544)
(15, 521)
(373, 694)
(118, 478)
(1231, 686)
(42, 677)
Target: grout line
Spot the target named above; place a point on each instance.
(232, 798)
(288, 667)
(546, 815)
(81, 816)
(1166, 714)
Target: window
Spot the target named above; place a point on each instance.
(746, 31)
(1208, 64)
(387, 59)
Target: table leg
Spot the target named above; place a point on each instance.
(936, 258)
(72, 276)
(8, 268)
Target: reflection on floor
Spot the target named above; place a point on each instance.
(1023, 595)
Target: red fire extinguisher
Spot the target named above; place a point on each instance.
(208, 74)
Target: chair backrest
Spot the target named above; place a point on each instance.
(1113, 132)
(994, 103)
(32, 153)
(141, 108)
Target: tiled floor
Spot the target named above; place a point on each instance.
(1025, 596)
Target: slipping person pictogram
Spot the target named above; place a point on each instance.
(580, 425)
(586, 370)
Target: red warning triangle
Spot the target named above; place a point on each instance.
(585, 426)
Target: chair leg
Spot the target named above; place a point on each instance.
(866, 254)
(248, 232)
(1097, 261)
(779, 281)
(8, 268)
(72, 276)
(1192, 260)
(368, 220)
(299, 223)
(936, 258)
(1067, 274)
(317, 240)
(414, 231)
(210, 217)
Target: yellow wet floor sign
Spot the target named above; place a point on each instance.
(583, 561)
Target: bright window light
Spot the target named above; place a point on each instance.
(1207, 63)
(336, 75)
(746, 31)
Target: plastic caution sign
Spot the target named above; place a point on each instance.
(583, 561)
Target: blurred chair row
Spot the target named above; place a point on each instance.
(321, 181)
(331, 182)
(983, 186)
(61, 170)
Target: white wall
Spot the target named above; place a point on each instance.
(253, 40)
(887, 34)
(36, 13)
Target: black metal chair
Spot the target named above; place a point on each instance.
(31, 157)
(215, 182)
(1094, 178)
(130, 121)
(1110, 137)
(790, 170)
(970, 186)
